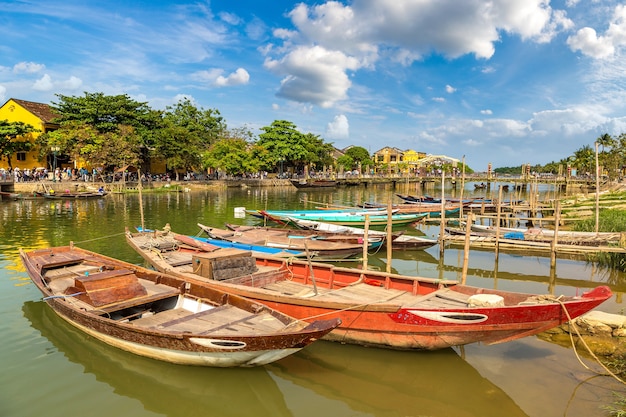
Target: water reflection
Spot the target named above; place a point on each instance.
(392, 383)
(166, 389)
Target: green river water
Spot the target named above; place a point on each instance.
(49, 369)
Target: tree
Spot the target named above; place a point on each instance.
(97, 125)
(186, 134)
(360, 155)
(13, 138)
(232, 154)
(283, 142)
(584, 159)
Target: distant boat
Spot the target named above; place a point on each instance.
(69, 195)
(303, 183)
(399, 241)
(321, 246)
(377, 308)
(161, 316)
(348, 218)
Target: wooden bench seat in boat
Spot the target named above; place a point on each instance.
(225, 319)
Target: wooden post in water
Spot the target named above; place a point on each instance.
(468, 228)
(366, 240)
(462, 188)
(139, 187)
(597, 192)
(555, 240)
(498, 210)
(389, 229)
(442, 229)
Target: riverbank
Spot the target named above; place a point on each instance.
(602, 333)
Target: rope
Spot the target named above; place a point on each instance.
(573, 325)
(99, 238)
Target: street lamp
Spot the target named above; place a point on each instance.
(55, 150)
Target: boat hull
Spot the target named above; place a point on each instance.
(395, 314)
(191, 336)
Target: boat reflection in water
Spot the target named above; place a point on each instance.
(166, 389)
(384, 382)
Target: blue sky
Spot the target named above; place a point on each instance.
(504, 81)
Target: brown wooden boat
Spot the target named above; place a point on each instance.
(317, 245)
(161, 316)
(376, 308)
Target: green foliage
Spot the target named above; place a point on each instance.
(618, 409)
(104, 130)
(232, 155)
(611, 220)
(13, 138)
(187, 132)
(359, 155)
(282, 141)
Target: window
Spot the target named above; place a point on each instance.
(21, 156)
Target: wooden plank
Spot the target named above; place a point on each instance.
(155, 320)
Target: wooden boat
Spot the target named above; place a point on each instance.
(284, 239)
(163, 317)
(160, 241)
(344, 218)
(378, 308)
(78, 196)
(303, 183)
(399, 241)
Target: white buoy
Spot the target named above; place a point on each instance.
(240, 212)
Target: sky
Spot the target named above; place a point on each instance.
(506, 82)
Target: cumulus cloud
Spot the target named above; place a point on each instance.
(44, 83)
(587, 40)
(3, 93)
(486, 112)
(450, 89)
(72, 83)
(313, 75)
(339, 128)
(331, 39)
(239, 77)
(28, 67)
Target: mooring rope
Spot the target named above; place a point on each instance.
(573, 325)
(100, 238)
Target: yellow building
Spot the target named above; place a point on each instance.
(39, 116)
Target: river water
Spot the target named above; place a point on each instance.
(50, 369)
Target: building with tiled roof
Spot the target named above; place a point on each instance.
(38, 115)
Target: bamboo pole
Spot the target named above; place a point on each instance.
(597, 191)
(442, 228)
(462, 188)
(389, 229)
(139, 187)
(553, 244)
(468, 228)
(498, 211)
(366, 241)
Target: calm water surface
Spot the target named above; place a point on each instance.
(50, 369)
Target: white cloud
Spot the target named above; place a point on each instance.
(339, 128)
(239, 77)
(44, 83)
(333, 38)
(314, 75)
(3, 92)
(450, 89)
(28, 67)
(597, 46)
(72, 83)
(439, 99)
(487, 112)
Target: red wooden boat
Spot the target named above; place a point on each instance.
(376, 308)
